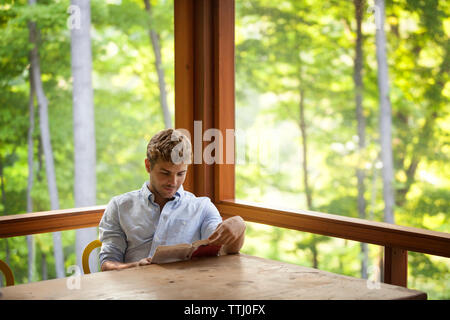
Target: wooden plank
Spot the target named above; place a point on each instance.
(396, 266)
(380, 233)
(234, 277)
(224, 92)
(50, 221)
(203, 91)
(184, 74)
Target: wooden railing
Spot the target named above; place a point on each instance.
(50, 221)
(397, 240)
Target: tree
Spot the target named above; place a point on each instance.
(385, 114)
(46, 142)
(85, 181)
(423, 100)
(155, 40)
(30, 238)
(285, 56)
(361, 127)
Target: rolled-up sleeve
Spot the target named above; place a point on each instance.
(211, 219)
(111, 235)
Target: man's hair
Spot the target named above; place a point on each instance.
(169, 145)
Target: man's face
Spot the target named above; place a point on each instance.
(166, 177)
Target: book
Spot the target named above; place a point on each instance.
(185, 251)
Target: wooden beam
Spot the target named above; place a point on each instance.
(184, 74)
(194, 87)
(396, 266)
(380, 233)
(203, 92)
(50, 221)
(224, 93)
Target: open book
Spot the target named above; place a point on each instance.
(184, 251)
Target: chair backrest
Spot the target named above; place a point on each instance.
(7, 272)
(87, 251)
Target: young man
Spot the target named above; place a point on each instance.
(134, 224)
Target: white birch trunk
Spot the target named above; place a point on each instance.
(83, 126)
(361, 120)
(46, 145)
(30, 238)
(385, 115)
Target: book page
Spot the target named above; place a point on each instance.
(167, 254)
(184, 251)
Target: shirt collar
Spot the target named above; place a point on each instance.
(151, 197)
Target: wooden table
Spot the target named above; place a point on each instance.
(229, 277)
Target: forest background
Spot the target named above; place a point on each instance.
(307, 118)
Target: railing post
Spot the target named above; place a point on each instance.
(396, 266)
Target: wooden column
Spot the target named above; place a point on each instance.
(204, 90)
(184, 73)
(203, 94)
(396, 266)
(224, 102)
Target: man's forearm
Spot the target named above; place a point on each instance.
(115, 265)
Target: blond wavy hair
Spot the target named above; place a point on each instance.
(169, 145)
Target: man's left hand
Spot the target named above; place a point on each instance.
(228, 232)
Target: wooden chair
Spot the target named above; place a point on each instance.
(7, 272)
(87, 251)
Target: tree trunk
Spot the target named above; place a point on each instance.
(373, 192)
(2, 182)
(308, 192)
(44, 266)
(357, 78)
(315, 253)
(306, 186)
(30, 238)
(85, 181)
(30, 144)
(2, 188)
(385, 116)
(46, 143)
(154, 38)
(419, 150)
(373, 201)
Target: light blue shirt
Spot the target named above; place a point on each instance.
(133, 226)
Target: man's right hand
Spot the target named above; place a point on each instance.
(145, 262)
(115, 265)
